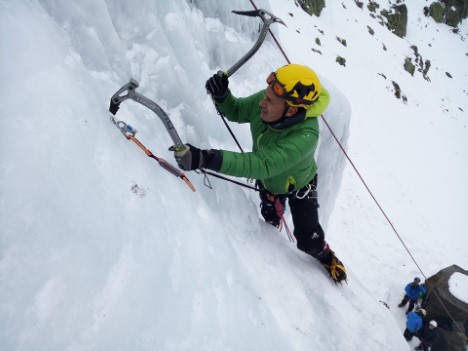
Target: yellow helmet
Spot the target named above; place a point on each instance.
(298, 84)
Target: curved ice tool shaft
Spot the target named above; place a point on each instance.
(267, 18)
(128, 92)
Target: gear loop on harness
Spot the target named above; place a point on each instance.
(306, 190)
(309, 192)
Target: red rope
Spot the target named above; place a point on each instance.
(389, 222)
(280, 212)
(372, 195)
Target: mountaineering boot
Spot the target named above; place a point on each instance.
(335, 268)
(332, 264)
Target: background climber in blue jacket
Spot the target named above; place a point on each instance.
(414, 323)
(412, 291)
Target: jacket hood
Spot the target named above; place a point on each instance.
(319, 107)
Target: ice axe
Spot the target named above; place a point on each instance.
(128, 91)
(268, 18)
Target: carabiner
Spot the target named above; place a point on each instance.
(126, 129)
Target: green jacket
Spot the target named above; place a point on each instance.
(283, 160)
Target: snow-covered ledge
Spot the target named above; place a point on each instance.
(458, 286)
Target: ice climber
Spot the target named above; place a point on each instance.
(285, 131)
(412, 292)
(414, 323)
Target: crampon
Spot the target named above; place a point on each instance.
(335, 268)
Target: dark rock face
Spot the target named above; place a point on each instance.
(451, 12)
(456, 11)
(312, 7)
(450, 313)
(397, 19)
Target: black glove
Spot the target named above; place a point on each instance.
(217, 86)
(193, 158)
(190, 158)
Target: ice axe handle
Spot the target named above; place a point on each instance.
(267, 18)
